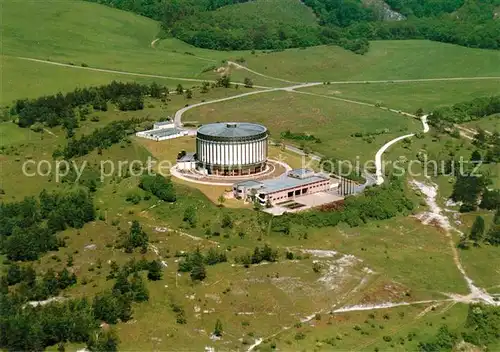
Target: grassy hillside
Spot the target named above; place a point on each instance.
(82, 32)
(261, 24)
(386, 60)
(331, 121)
(413, 95)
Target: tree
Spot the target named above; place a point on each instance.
(420, 112)
(224, 82)
(107, 307)
(221, 200)
(14, 274)
(138, 288)
(66, 279)
(189, 94)
(103, 341)
(179, 89)
(256, 204)
(477, 231)
(490, 200)
(476, 156)
(248, 83)
(227, 222)
(190, 215)
(493, 235)
(136, 238)
(205, 87)
(155, 271)
(218, 328)
(496, 218)
(464, 242)
(198, 273)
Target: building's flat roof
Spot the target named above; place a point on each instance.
(283, 183)
(300, 172)
(249, 183)
(231, 129)
(163, 132)
(280, 184)
(161, 123)
(188, 157)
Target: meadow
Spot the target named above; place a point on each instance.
(331, 121)
(410, 96)
(393, 260)
(386, 60)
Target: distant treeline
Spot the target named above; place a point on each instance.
(299, 136)
(347, 23)
(59, 109)
(465, 111)
(101, 138)
(28, 227)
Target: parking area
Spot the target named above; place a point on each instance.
(304, 202)
(317, 199)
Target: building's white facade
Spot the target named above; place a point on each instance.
(232, 154)
(162, 131)
(231, 148)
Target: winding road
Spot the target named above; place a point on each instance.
(378, 157)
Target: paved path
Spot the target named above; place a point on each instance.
(179, 113)
(127, 73)
(378, 157)
(174, 172)
(235, 64)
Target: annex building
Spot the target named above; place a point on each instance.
(296, 183)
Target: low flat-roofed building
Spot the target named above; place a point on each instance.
(283, 188)
(162, 134)
(187, 162)
(163, 124)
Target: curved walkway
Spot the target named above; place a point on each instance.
(179, 113)
(174, 172)
(378, 157)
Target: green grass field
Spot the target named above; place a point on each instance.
(331, 121)
(385, 261)
(386, 60)
(411, 96)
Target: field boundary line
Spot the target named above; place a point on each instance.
(173, 78)
(237, 65)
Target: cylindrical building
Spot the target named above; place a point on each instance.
(231, 149)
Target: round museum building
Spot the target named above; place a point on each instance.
(231, 149)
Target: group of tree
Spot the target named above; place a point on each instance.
(27, 328)
(33, 287)
(154, 269)
(348, 23)
(259, 255)
(32, 327)
(60, 109)
(445, 117)
(480, 234)
(194, 262)
(28, 228)
(375, 203)
(472, 191)
(479, 329)
(101, 138)
(300, 136)
(136, 238)
(159, 186)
